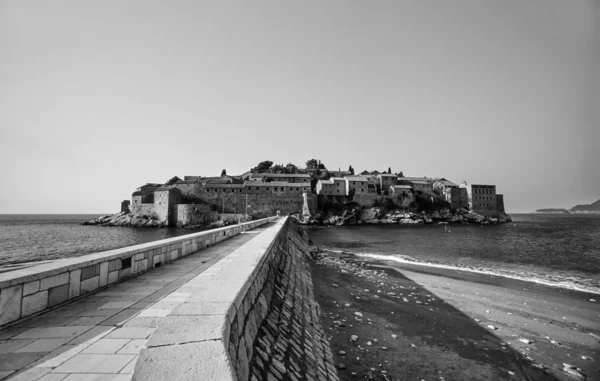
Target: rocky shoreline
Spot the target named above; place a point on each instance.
(130, 220)
(376, 215)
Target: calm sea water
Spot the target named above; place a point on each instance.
(27, 238)
(559, 250)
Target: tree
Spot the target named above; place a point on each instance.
(262, 167)
(223, 172)
(312, 163)
(400, 174)
(351, 170)
(390, 170)
(172, 180)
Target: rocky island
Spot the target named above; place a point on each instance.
(313, 195)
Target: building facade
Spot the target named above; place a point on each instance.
(386, 180)
(356, 184)
(482, 199)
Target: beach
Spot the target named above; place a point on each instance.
(415, 322)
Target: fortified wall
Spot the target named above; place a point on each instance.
(253, 316)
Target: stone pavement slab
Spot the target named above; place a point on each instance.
(99, 337)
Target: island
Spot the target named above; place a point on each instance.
(313, 195)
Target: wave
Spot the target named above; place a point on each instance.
(570, 282)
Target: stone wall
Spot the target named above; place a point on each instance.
(251, 316)
(194, 214)
(26, 292)
(290, 343)
(267, 203)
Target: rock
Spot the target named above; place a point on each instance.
(354, 338)
(342, 366)
(394, 336)
(574, 371)
(368, 343)
(358, 314)
(342, 353)
(526, 341)
(347, 305)
(511, 373)
(492, 327)
(334, 285)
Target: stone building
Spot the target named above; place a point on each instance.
(325, 187)
(165, 199)
(500, 204)
(358, 184)
(459, 198)
(400, 190)
(287, 177)
(482, 199)
(339, 186)
(424, 186)
(385, 180)
(443, 187)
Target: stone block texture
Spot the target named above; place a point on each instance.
(276, 333)
(291, 344)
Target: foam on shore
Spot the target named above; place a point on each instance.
(570, 283)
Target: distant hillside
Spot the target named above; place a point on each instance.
(593, 207)
(551, 210)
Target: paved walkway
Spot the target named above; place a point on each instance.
(99, 337)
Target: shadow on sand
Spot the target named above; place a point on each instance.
(433, 340)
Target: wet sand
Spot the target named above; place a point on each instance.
(440, 320)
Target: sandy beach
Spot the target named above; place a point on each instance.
(419, 323)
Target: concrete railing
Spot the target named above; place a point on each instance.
(27, 292)
(210, 336)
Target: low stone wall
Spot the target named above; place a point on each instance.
(27, 292)
(256, 298)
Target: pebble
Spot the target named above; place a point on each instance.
(492, 327)
(511, 373)
(347, 305)
(342, 353)
(592, 300)
(358, 314)
(385, 349)
(368, 343)
(353, 338)
(342, 366)
(526, 341)
(554, 342)
(394, 336)
(334, 285)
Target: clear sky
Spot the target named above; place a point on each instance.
(100, 97)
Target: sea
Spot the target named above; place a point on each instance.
(42, 237)
(552, 249)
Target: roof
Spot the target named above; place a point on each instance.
(165, 189)
(415, 178)
(401, 186)
(219, 181)
(276, 184)
(185, 182)
(356, 178)
(421, 182)
(337, 179)
(387, 175)
(150, 185)
(290, 175)
(330, 181)
(446, 182)
(221, 186)
(137, 193)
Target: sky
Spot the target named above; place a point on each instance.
(100, 97)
